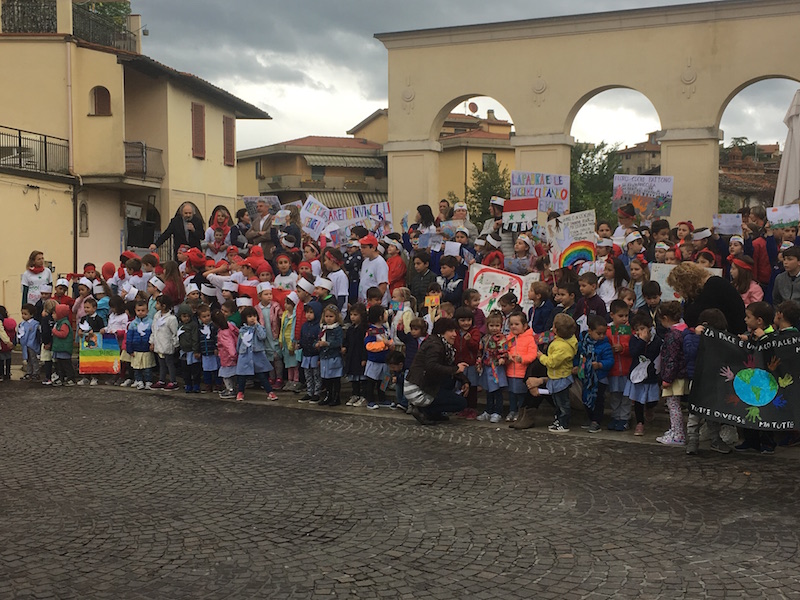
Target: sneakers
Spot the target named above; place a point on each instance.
(594, 427)
(313, 400)
(227, 394)
(421, 417)
(558, 428)
(360, 403)
(170, 386)
(196, 389)
(83, 381)
(692, 447)
(512, 416)
(670, 439)
(139, 385)
(586, 425)
(93, 381)
(720, 446)
(305, 398)
(47, 382)
(240, 396)
(126, 383)
(767, 449)
(272, 396)
(148, 386)
(158, 385)
(352, 401)
(495, 418)
(639, 429)
(187, 389)
(618, 425)
(373, 405)
(744, 447)
(484, 416)
(278, 384)
(69, 383)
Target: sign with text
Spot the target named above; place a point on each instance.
(493, 283)
(532, 193)
(727, 224)
(650, 195)
(314, 217)
(376, 217)
(572, 239)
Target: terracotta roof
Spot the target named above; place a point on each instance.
(347, 145)
(378, 113)
(760, 184)
(462, 117)
(333, 142)
(641, 147)
(477, 133)
(770, 148)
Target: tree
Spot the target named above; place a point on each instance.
(493, 181)
(739, 141)
(115, 12)
(592, 179)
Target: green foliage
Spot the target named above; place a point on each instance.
(728, 205)
(116, 12)
(592, 179)
(494, 181)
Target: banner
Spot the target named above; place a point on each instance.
(784, 216)
(376, 217)
(314, 217)
(493, 283)
(532, 193)
(251, 201)
(730, 224)
(750, 385)
(99, 354)
(650, 195)
(659, 273)
(571, 238)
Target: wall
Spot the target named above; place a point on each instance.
(42, 221)
(376, 130)
(146, 110)
(246, 182)
(105, 223)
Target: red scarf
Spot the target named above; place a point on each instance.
(35, 270)
(226, 228)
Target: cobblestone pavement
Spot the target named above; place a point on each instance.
(118, 494)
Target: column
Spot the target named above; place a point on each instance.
(64, 16)
(691, 156)
(550, 153)
(413, 176)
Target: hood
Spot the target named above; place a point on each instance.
(212, 221)
(573, 343)
(316, 307)
(184, 309)
(62, 311)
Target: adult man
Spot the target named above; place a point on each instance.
(259, 232)
(374, 270)
(494, 224)
(185, 228)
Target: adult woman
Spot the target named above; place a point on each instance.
(34, 277)
(430, 383)
(423, 221)
(461, 213)
(220, 218)
(173, 282)
(701, 290)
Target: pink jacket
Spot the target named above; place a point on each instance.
(754, 294)
(275, 313)
(226, 345)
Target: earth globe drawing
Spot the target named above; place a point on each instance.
(757, 387)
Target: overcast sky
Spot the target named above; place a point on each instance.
(315, 67)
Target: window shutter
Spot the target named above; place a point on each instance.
(198, 130)
(229, 140)
(102, 101)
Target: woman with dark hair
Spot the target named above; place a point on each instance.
(702, 291)
(173, 282)
(431, 381)
(424, 219)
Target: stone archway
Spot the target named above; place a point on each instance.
(689, 61)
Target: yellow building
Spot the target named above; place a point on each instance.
(104, 143)
(643, 158)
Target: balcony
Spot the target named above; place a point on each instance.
(332, 183)
(41, 16)
(143, 161)
(20, 149)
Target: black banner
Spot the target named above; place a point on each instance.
(750, 385)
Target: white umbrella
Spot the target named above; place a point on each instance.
(788, 189)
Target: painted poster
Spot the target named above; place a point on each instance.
(314, 217)
(99, 354)
(493, 283)
(251, 201)
(659, 273)
(730, 224)
(449, 228)
(750, 385)
(572, 239)
(376, 217)
(532, 193)
(784, 216)
(651, 195)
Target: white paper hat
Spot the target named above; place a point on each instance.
(324, 283)
(701, 234)
(264, 285)
(86, 281)
(460, 206)
(492, 241)
(208, 290)
(157, 283)
(305, 285)
(244, 301)
(131, 293)
(605, 243)
(293, 298)
(46, 289)
(230, 286)
(97, 289)
(497, 201)
(632, 237)
(64, 282)
(191, 287)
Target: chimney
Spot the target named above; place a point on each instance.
(134, 25)
(490, 115)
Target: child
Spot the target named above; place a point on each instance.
(118, 326)
(137, 343)
(63, 341)
(404, 307)
(395, 363)
(377, 343)
(508, 305)
(540, 313)
(102, 293)
(311, 252)
(286, 279)
(472, 300)
(628, 296)
(742, 279)
(251, 360)
(589, 303)
(90, 323)
(452, 285)
(30, 341)
(615, 278)
(674, 382)
(189, 343)
(207, 335)
(84, 291)
(493, 356)
(46, 324)
(467, 345)
(269, 316)
(633, 248)
(352, 265)
(8, 339)
(520, 263)
(595, 359)
(227, 336)
(651, 290)
(412, 338)
(332, 262)
(309, 336)
(331, 338)
(434, 310)
(355, 353)
(558, 361)
(421, 277)
(619, 334)
(565, 296)
(374, 297)
(643, 380)
(164, 343)
(639, 275)
(395, 263)
(660, 252)
(522, 351)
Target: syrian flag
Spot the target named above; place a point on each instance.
(520, 214)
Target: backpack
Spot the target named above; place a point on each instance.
(10, 327)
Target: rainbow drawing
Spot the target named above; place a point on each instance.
(576, 253)
(99, 354)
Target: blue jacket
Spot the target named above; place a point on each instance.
(412, 345)
(539, 317)
(135, 341)
(452, 289)
(208, 341)
(334, 337)
(691, 345)
(650, 350)
(596, 351)
(309, 333)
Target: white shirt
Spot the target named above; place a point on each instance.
(341, 287)
(34, 281)
(286, 282)
(374, 271)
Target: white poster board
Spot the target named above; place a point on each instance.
(493, 283)
(727, 224)
(651, 195)
(572, 238)
(314, 217)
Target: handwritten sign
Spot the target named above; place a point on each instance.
(532, 193)
(493, 283)
(314, 217)
(572, 239)
(376, 217)
(650, 195)
(784, 216)
(727, 224)
(449, 228)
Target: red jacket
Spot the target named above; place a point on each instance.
(622, 360)
(397, 272)
(468, 346)
(762, 270)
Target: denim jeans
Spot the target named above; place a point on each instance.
(142, 375)
(563, 410)
(516, 401)
(167, 368)
(399, 384)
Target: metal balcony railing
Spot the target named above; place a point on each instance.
(31, 151)
(144, 161)
(91, 27)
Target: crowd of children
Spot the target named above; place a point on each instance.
(313, 314)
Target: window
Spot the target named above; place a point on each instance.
(100, 102)
(317, 173)
(83, 220)
(652, 155)
(489, 158)
(198, 130)
(259, 174)
(627, 157)
(229, 141)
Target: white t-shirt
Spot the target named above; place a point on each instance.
(374, 272)
(341, 287)
(34, 281)
(286, 282)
